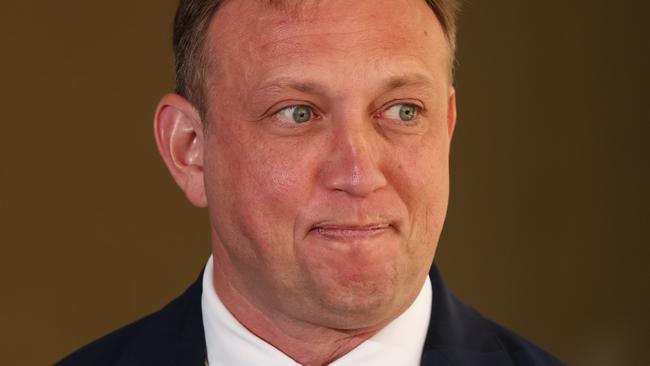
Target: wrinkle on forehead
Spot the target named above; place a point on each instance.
(246, 33)
(291, 19)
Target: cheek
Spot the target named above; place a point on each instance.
(264, 182)
(422, 182)
(282, 179)
(422, 168)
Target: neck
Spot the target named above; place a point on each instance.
(308, 344)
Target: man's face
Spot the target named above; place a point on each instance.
(326, 154)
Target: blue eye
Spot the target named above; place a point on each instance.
(404, 112)
(296, 114)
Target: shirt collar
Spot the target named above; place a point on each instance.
(230, 343)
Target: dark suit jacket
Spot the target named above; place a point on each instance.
(457, 335)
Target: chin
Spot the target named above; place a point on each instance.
(361, 302)
(362, 313)
(359, 286)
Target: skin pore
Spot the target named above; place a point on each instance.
(324, 165)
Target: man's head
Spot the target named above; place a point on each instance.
(193, 18)
(324, 164)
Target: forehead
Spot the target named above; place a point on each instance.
(247, 35)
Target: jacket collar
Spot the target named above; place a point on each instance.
(459, 335)
(173, 336)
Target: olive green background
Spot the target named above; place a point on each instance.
(547, 229)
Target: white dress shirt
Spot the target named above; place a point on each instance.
(229, 343)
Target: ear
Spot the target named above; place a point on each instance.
(451, 112)
(179, 137)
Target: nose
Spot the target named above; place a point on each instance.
(353, 163)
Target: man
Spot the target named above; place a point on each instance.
(317, 134)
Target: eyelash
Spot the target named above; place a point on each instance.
(316, 115)
(419, 110)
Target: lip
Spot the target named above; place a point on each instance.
(350, 233)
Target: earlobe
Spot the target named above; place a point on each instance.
(451, 113)
(179, 136)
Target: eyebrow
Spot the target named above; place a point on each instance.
(280, 84)
(411, 80)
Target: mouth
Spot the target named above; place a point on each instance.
(350, 233)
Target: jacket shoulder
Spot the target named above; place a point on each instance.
(522, 351)
(459, 335)
(108, 349)
(170, 336)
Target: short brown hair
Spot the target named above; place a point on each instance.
(190, 28)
